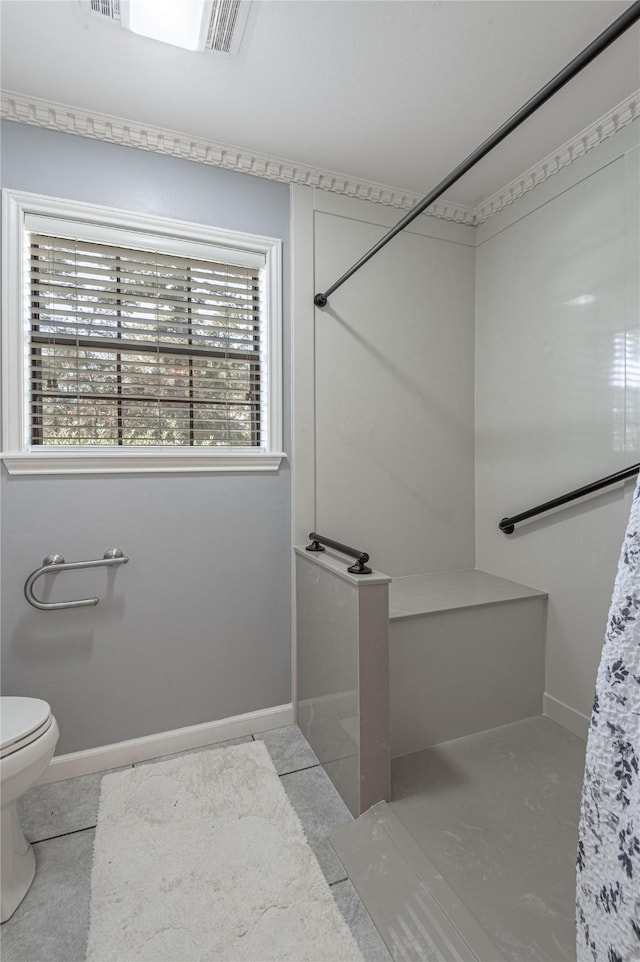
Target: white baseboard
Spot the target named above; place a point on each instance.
(165, 743)
(568, 717)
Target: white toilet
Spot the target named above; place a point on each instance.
(28, 737)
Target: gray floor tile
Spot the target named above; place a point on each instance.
(335, 737)
(192, 751)
(60, 807)
(359, 921)
(289, 749)
(321, 812)
(52, 923)
(497, 812)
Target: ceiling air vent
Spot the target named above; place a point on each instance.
(228, 18)
(215, 25)
(102, 8)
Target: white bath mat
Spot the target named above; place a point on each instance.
(202, 857)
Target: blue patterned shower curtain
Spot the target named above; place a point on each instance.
(608, 872)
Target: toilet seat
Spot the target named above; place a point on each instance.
(28, 738)
(23, 721)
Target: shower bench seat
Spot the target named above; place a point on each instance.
(466, 653)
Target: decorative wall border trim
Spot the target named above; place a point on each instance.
(117, 130)
(596, 133)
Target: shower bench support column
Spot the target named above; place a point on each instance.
(342, 700)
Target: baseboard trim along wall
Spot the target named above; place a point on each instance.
(568, 717)
(165, 743)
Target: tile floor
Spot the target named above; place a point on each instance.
(52, 923)
(497, 813)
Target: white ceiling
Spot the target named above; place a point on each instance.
(390, 91)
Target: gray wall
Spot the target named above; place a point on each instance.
(197, 626)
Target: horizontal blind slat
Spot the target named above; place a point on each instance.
(60, 308)
(66, 262)
(141, 337)
(244, 301)
(103, 345)
(47, 246)
(45, 274)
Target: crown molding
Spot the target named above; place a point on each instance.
(592, 136)
(117, 130)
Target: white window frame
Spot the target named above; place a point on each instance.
(19, 456)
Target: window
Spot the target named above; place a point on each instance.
(135, 343)
(137, 347)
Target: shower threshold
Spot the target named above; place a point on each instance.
(474, 859)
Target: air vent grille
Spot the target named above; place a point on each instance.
(227, 24)
(104, 8)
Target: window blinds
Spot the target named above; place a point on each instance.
(131, 347)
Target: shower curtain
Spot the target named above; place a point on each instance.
(608, 862)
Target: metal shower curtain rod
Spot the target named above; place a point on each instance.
(607, 37)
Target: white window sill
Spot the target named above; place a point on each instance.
(137, 461)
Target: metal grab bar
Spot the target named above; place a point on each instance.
(55, 562)
(359, 568)
(507, 524)
(627, 19)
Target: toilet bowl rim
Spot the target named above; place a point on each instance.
(23, 769)
(21, 717)
(30, 739)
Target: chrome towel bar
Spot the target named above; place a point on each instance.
(55, 562)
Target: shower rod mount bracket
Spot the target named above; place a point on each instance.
(320, 300)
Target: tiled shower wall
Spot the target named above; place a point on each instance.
(384, 385)
(558, 397)
(466, 374)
